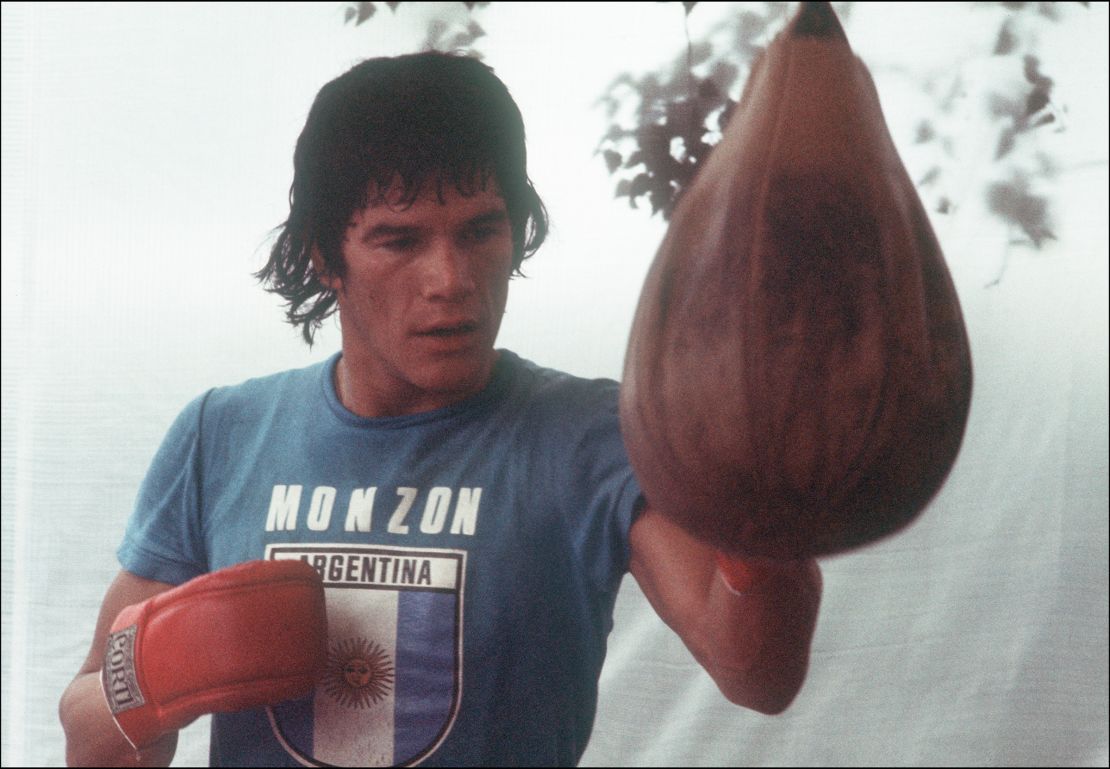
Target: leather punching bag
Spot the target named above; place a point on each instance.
(798, 375)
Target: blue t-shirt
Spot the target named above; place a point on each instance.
(471, 557)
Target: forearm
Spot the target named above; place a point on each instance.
(92, 737)
(755, 642)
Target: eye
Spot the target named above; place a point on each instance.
(484, 232)
(401, 244)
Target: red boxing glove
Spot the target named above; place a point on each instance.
(246, 636)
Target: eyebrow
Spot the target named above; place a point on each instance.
(386, 231)
(496, 216)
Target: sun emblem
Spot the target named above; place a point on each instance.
(359, 673)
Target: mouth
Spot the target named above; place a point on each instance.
(449, 330)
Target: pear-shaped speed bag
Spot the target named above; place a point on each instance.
(798, 375)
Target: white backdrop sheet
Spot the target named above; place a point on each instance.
(146, 155)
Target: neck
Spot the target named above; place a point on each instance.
(365, 395)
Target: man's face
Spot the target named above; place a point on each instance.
(422, 300)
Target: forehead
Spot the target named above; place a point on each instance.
(433, 194)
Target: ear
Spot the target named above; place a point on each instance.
(322, 272)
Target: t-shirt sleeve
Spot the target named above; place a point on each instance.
(601, 487)
(164, 538)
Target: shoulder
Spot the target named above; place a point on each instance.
(549, 391)
(264, 393)
(566, 415)
(261, 400)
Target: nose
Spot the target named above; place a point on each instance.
(448, 272)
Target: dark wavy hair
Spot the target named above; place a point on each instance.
(421, 118)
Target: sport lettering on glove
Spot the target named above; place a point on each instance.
(120, 682)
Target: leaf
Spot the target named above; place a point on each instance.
(700, 53)
(1031, 68)
(696, 150)
(678, 113)
(724, 74)
(708, 93)
(1049, 11)
(726, 113)
(365, 11)
(1006, 143)
(655, 141)
(660, 200)
(1036, 101)
(925, 132)
(461, 41)
(1043, 120)
(1006, 40)
(639, 186)
(615, 133)
(435, 32)
(1012, 201)
(612, 160)
(930, 176)
(1001, 105)
(648, 88)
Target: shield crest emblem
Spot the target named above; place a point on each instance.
(394, 673)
